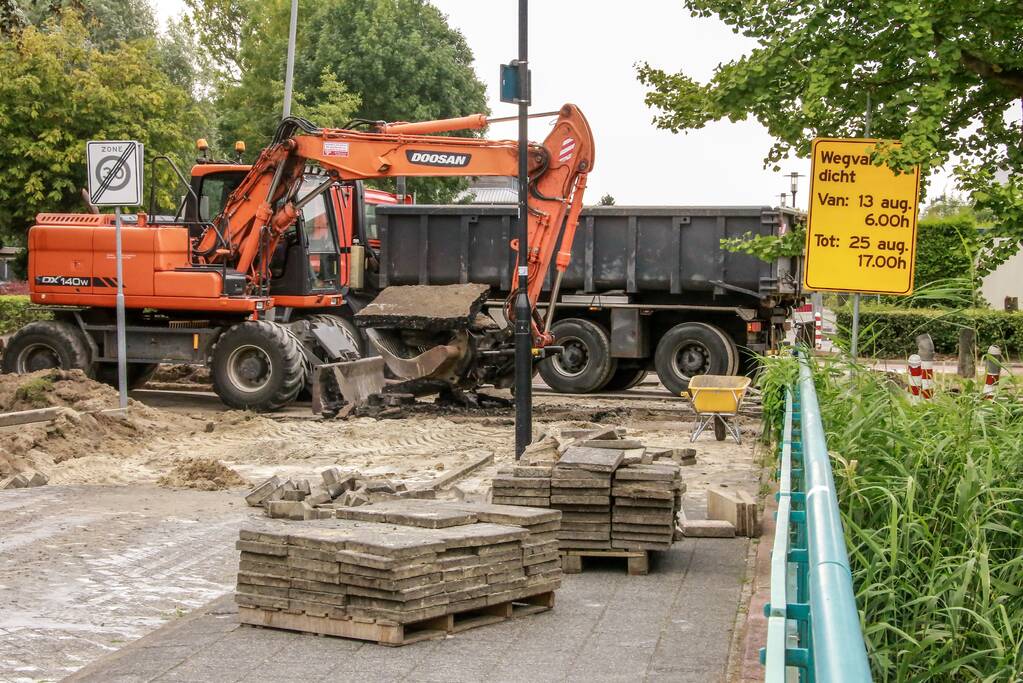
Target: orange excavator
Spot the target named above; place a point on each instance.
(234, 292)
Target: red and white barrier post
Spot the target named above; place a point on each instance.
(993, 371)
(914, 377)
(925, 347)
(818, 329)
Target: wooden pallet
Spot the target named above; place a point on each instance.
(394, 635)
(639, 560)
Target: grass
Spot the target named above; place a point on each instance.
(35, 391)
(932, 503)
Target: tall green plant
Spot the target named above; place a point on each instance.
(932, 503)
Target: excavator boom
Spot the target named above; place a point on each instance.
(265, 204)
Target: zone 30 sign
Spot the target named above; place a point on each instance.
(115, 172)
(861, 229)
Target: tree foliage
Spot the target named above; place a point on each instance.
(60, 90)
(944, 77)
(391, 60)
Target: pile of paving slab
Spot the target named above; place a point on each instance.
(24, 480)
(396, 562)
(299, 499)
(613, 493)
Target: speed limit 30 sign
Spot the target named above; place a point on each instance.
(115, 172)
(861, 229)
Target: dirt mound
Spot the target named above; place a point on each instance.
(205, 474)
(61, 388)
(84, 430)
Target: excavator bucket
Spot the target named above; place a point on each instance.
(353, 381)
(420, 331)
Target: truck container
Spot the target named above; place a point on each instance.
(648, 287)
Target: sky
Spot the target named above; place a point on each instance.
(586, 52)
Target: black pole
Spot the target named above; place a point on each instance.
(523, 314)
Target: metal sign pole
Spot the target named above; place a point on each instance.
(855, 341)
(122, 355)
(289, 74)
(523, 316)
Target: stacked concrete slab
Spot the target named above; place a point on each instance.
(611, 492)
(393, 564)
(528, 485)
(647, 499)
(581, 489)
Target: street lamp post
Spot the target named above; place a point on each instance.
(523, 315)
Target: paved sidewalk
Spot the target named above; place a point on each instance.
(674, 624)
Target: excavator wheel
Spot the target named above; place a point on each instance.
(47, 344)
(257, 365)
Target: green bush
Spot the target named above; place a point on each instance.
(889, 332)
(16, 311)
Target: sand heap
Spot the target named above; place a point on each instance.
(202, 473)
(81, 429)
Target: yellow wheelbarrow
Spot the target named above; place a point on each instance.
(716, 398)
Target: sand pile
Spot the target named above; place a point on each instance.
(82, 429)
(202, 473)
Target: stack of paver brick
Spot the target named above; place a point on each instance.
(528, 485)
(611, 492)
(581, 489)
(394, 563)
(647, 499)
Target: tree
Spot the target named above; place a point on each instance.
(109, 22)
(607, 200)
(60, 90)
(394, 60)
(940, 76)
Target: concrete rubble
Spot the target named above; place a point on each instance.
(612, 494)
(399, 561)
(299, 499)
(23, 480)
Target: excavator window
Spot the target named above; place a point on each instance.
(320, 238)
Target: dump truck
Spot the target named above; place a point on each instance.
(647, 288)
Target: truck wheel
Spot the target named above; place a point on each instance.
(138, 374)
(586, 364)
(257, 365)
(692, 349)
(625, 378)
(48, 344)
(733, 352)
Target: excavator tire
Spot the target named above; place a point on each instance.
(257, 365)
(138, 373)
(48, 344)
(586, 364)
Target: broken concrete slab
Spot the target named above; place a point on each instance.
(424, 307)
(261, 492)
(591, 459)
(707, 528)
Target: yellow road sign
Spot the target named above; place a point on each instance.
(861, 229)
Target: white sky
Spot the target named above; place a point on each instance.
(585, 52)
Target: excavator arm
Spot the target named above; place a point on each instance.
(266, 202)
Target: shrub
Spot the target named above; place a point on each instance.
(16, 311)
(889, 332)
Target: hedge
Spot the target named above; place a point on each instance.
(891, 332)
(15, 312)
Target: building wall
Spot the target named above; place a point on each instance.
(1006, 280)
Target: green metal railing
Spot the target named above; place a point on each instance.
(813, 627)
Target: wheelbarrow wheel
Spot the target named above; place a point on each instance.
(720, 432)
